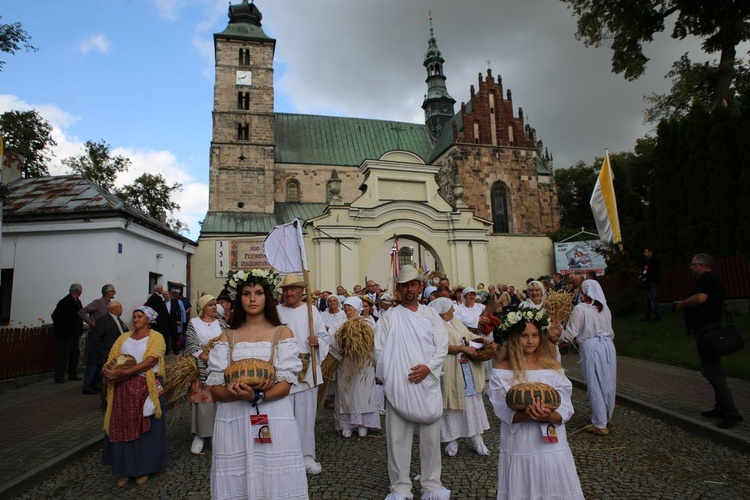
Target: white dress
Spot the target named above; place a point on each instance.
(528, 467)
(240, 467)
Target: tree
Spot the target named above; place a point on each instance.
(627, 24)
(29, 135)
(151, 194)
(97, 165)
(692, 83)
(12, 38)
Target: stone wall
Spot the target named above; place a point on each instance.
(313, 181)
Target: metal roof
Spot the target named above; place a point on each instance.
(256, 222)
(332, 140)
(70, 197)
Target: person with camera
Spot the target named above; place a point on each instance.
(703, 308)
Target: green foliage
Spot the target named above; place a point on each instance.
(29, 135)
(151, 194)
(97, 164)
(12, 38)
(625, 25)
(574, 188)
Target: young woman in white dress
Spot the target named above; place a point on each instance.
(241, 467)
(535, 460)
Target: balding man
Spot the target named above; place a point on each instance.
(101, 338)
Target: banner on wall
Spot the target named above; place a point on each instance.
(244, 254)
(579, 257)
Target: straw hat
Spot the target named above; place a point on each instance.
(408, 273)
(293, 280)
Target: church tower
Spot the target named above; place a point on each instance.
(438, 104)
(242, 143)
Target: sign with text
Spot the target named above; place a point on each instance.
(579, 257)
(242, 254)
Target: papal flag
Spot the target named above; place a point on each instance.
(604, 204)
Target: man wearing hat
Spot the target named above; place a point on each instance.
(294, 314)
(410, 346)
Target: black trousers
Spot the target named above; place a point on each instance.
(68, 353)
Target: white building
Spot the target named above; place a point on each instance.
(64, 229)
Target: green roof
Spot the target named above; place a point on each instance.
(332, 140)
(259, 223)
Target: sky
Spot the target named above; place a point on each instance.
(139, 74)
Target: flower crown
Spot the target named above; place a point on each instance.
(515, 321)
(267, 278)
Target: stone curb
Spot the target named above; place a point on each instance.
(692, 425)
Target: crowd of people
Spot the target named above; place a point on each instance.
(412, 356)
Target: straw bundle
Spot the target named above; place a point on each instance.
(180, 373)
(206, 348)
(558, 305)
(356, 340)
(328, 367)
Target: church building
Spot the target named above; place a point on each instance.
(468, 193)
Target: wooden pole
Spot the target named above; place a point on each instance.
(306, 274)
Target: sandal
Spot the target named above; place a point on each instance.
(596, 430)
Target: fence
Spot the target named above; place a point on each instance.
(27, 351)
(677, 282)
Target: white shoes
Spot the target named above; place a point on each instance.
(197, 447)
(347, 433)
(362, 431)
(477, 443)
(313, 467)
(451, 448)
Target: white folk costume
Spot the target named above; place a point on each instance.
(242, 468)
(529, 467)
(593, 331)
(464, 415)
(405, 339)
(356, 399)
(469, 316)
(203, 407)
(305, 393)
(333, 321)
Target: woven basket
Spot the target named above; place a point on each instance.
(484, 352)
(249, 371)
(121, 362)
(522, 395)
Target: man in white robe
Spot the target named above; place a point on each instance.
(411, 343)
(294, 314)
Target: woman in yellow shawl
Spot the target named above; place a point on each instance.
(135, 444)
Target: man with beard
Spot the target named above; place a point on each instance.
(410, 346)
(294, 314)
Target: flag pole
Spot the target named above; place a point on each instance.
(308, 301)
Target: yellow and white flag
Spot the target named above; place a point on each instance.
(604, 204)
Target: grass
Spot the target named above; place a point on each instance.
(669, 343)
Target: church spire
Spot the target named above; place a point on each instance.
(438, 104)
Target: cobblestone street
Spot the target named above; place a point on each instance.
(642, 458)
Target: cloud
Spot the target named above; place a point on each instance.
(193, 199)
(97, 43)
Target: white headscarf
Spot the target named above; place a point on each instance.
(441, 305)
(429, 291)
(355, 302)
(593, 290)
(468, 290)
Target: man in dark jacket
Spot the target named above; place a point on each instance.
(703, 308)
(101, 338)
(650, 280)
(68, 329)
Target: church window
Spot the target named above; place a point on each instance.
(243, 100)
(243, 131)
(405, 256)
(499, 197)
(292, 191)
(244, 57)
(476, 133)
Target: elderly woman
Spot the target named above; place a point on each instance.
(591, 325)
(535, 293)
(135, 441)
(200, 331)
(356, 399)
(464, 415)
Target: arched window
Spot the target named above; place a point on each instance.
(292, 191)
(499, 197)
